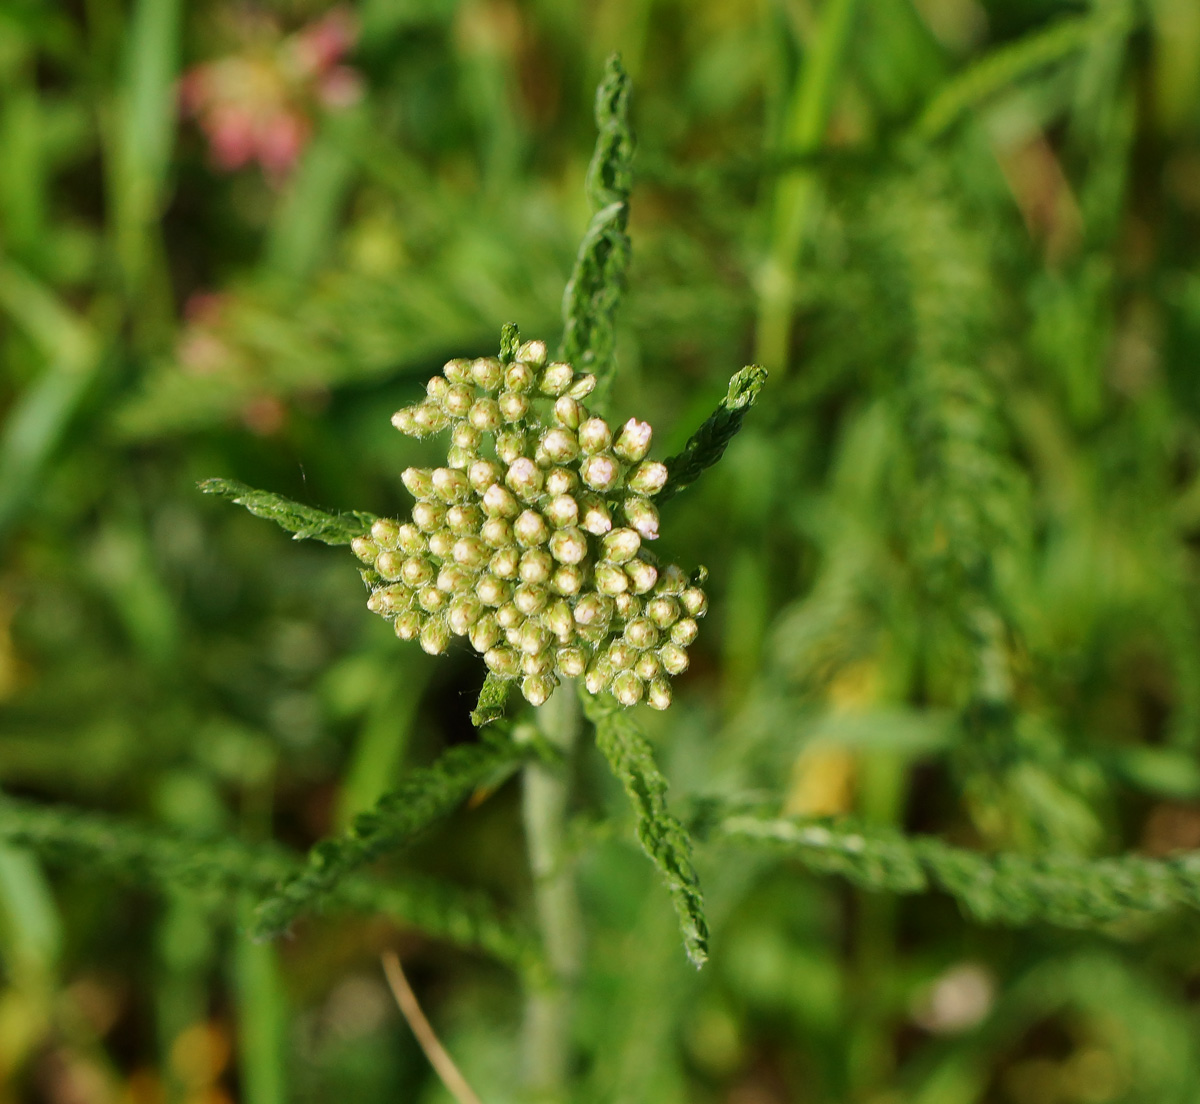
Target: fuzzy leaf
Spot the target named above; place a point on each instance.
(304, 522)
(492, 697)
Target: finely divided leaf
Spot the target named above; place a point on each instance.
(305, 522)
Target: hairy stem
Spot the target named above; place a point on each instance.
(547, 1014)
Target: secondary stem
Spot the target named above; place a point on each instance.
(547, 1012)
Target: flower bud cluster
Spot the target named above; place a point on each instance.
(532, 541)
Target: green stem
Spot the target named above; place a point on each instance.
(804, 132)
(547, 1014)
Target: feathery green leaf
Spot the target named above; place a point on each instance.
(492, 696)
(305, 522)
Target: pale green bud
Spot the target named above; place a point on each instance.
(536, 566)
(428, 418)
(471, 552)
(560, 446)
(408, 624)
(389, 599)
(464, 519)
(505, 562)
(621, 655)
(562, 510)
(596, 518)
(450, 485)
(430, 599)
(483, 473)
(497, 532)
(633, 442)
(641, 633)
(458, 370)
(498, 501)
(410, 539)
(673, 658)
(437, 387)
(485, 633)
(594, 436)
(405, 421)
(454, 579)
(464, 611)
(537, 663)
(642, 576)
(416, 571)
(537, 688)
(568, 546)
(593, 609)
(441, 543)
(647, 667)
(513, 406)
(386, 532)
(684, 632)
(509, 618)
(485, 415)
(601, 473)
(365, 549)
(561, 481)
(510, 445)
(459, 458)
(567, 579)
(621, 545)
(534, 638)
(389, 564)
(418, 481)
(642, 515)
(658, 694)
(520, 376)
(557, 378)
(663, 611)
(429, 516)
(466, 436)
(582, 387)
(434, 637)
(569, 412)
(531, 529)
(559, 619)
(457, 401)
(610, 579)
(672, 580)
(486, 372)
(530, 598)
(524, 478)
(649, 477)
(571, 662)
(694, 601)
(492, 591)
(533, 352)
(627, 688)
(599, 676)
(503, 661)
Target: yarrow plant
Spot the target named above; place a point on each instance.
(532, 541)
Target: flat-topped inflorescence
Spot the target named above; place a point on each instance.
(532, 541)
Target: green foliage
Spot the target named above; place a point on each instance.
(304, 522)
(492, 697)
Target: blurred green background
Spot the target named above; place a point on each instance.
(953, 553)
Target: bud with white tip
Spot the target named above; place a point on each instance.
(532, 352)
(594, 435)
(627, 688)
(434, 637)
(486, 373)
(365, 549)
(633, 442)
(418, 481)
(557, 378)
(642, 576)
(568, 546)
(536, 566)
(649, 478)
(538, 688)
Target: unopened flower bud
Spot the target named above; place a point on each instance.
(684, 632)
(568, 412)
(510, 445)
(466, 436)
(534, 637)
(492, 591)
(559, 619)
(450, 485)
(429, 516)
(408, 624)
(497, 532)
(486, 372)
(627, 688)
(464, 519)
(513, 406)
(483, 473)
(663, 611)
(464, 611)
(459, 458)
(537, 663)
(570, 662)
(537, 688)
(471, 552)
(509, 618)
(503, 661)
(561, 481)
(458, 370)
(594, 436)
(405, 421)
(582, 387)
(557, 378)
(671, 580)
(568, 546)
(410, 539)
(694, 601)
(484, 633)
(648, 478)
(560, 446)
(454, 579)
(647, 667)
(485, 415)
(427, 418)
(533, 352)
(365, 549)
(536, 566)
(457, 401)
(562, 510)
(610, 579)
(601, 473)
(633, 442)
(434, 637)
(673, 658)
(505, 562)
(596, 518)
(430, 599)
(599, 676)
(416, 571)
(389, 564)
(593, 609)
(621, 545)
(658, 694)
(390, 599)
(530, 598)
(567, 579)
(642, 515)
(385, 532)
(642, 576)
(498, 501)
(520, 376)
(437, 387)
(441, 542)
(641, 633)
(524, 478)
(419, 482)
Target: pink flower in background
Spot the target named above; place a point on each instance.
(259, 104)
